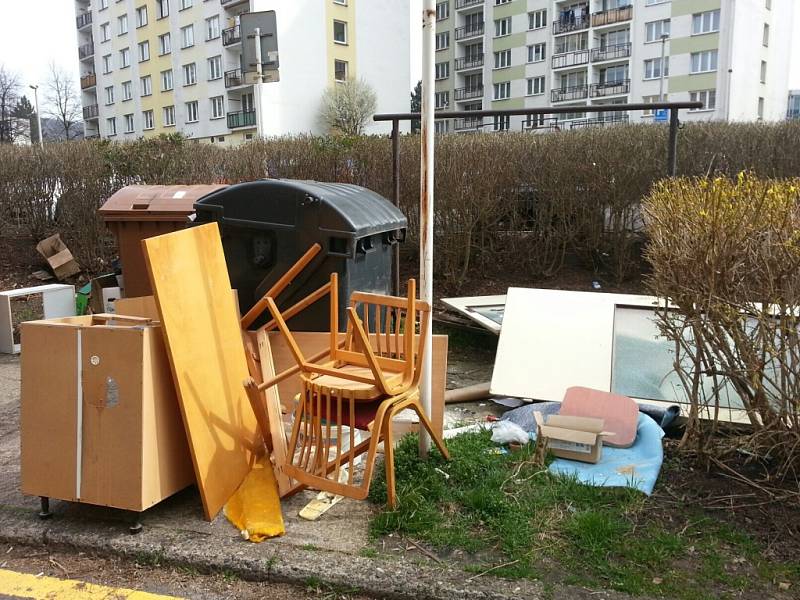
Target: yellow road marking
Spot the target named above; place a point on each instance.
(25, 585)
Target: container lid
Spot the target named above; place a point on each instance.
(337, 207)
(154, 202)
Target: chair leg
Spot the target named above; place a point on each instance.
(388, 461)
(423, 418)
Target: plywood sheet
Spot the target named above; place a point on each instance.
(204, 341)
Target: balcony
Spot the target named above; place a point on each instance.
(573, 20)
(564, 94)
(469, 31)
(83, 20)
(570, 59)
(466, 93)
(468, 62)
(615, 52)
(88, 81)
(242, 118)
(234, 78)
(611, 88)
(91, 112)
(468, 124)
(462, 4)
(86, 51)
(232, 35)
(601, 121)
(229, 3)
(615, 15)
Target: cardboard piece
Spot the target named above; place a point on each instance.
(58, 256)
(574, 438)
(99, 419)
(620, 414)
(105, 291)
(204, 342)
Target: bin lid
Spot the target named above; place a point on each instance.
(154, 202)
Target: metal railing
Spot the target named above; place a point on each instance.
(611, 52)
(83, 20)
(610, 88)
(231, 35)
(241, 118)
(467, 3)
(468, 62)
(469, 31)
(575, 92)
(233, 78)
(570, 59)
(465, 93)
(571, 23)
(602, 121)
(88, 81)
(470, 123)
(611, 16)
(91, 112)
(86, 50)
(231, 2)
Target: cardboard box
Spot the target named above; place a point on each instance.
(99, 418)
(58, 256)
(574, 438)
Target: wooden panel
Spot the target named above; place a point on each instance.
(204, 341)
(141, 306)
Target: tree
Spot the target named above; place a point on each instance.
(10, 127)
(63, 103)
(347, 107)
(24, 110)
(416, 105)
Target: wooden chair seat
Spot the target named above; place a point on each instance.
(357, 389)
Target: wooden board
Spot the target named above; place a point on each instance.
(204, 341)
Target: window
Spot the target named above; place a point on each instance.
(502, 59)
(141, 16)
(761, 108)
(502, 90)
(127, 90)
(705, 22)
(652, 68)
(148, 122)
(765, 40)
(190, 74)
(144, 51)
(443, 40)
(763, 71)
(110, 95)
(340, 70)
(169, 116)
(703, 62)
(212, 28)
(103, 4)
(340, 32)
(535, 86)
(571, 43)
(536, 52)
(111, 126)
(186, 4)
(217, 107)
(502, 123)
(652, 2)
(214, 68)
(707, 97)
(122, 24)
(187, 36)
(441, 126)
(146, 85)
(107, 64)
(166, 80)
(162, 9)
(443, 70)
(105, 32)
(649, 100)
(615, 74)
(129, 123)
(164, 44)
(442, 10)
(191, 112)
(498, 2)
(502, 27)
(441, 99)
(655, 29)
(537, 19)
(124, 58)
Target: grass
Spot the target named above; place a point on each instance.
(500, 508)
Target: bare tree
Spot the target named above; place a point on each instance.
(10, 126)
(63, 103)
(348, 106)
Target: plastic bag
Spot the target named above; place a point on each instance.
(255, 508)
(506, 432)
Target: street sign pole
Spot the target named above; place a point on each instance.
(259, 82)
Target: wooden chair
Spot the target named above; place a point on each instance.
(366, 381)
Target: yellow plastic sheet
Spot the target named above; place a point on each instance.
(255, 508)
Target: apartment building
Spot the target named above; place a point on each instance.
(161, 66)
(731, 55)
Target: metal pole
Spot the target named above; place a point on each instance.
(259, 83)
(661, 81)
(672, 149)
(35, 89)
(426, 204)
(396, 200)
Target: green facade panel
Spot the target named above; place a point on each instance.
(515, 7)
(689, 7)
(687, 83)
(515, 40)
(694, 43)
(508, 74)
(510, 103)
